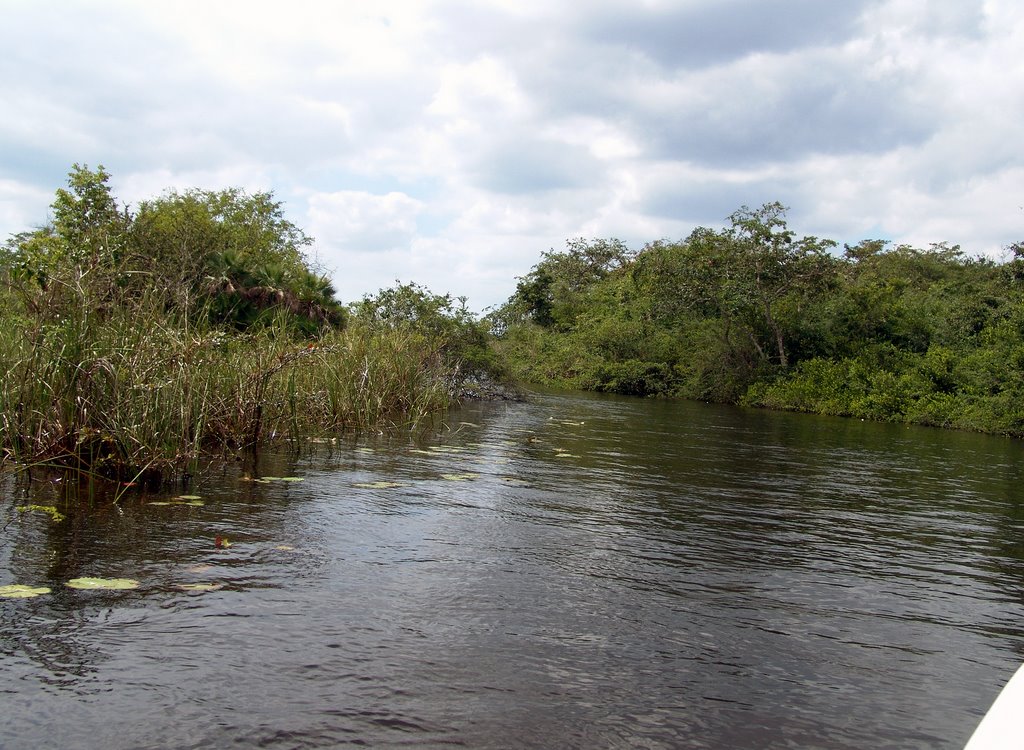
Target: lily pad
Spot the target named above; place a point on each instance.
(378, 485)
(463, 477)
(50, 510)
(293, 479)
(20, 591)
(189, 497)
(199, 586)
(106, 584)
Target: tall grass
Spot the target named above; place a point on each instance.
(122, 391)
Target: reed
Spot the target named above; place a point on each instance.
(126, 392)
(134, 343)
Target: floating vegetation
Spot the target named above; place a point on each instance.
(104, 584)
(190, 497)
(563, 454)
(194, 503)
(463, 477)
(269, 480)
(20, 591)
(221, 542)
(55, 515)
(285, 547)
(378, 485)
(199, 586)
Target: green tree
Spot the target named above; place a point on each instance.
(233, 255)
(443, 319)
(84, 244)
(754, 277)
(767, 266)
(555, 291)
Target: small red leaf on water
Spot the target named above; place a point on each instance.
(221, 542)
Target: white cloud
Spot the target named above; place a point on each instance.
(15, 198)
(450, 143)
(362, 222)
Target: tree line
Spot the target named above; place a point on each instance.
(752, 314)
(137, 339)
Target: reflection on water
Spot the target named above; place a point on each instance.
(573, 572)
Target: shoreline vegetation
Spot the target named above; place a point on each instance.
(138, 341)
(752, 315)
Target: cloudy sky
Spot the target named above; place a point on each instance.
(450, 142)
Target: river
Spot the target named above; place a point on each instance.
(573, 572)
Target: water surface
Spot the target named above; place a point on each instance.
(578, 571)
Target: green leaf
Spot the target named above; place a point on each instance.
(49, 510)
(106, 584)
(463, 477)
(20, 591)
(199, 586)
(378, 485)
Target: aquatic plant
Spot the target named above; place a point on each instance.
(20, 591)
(55, 515)
(103, 584)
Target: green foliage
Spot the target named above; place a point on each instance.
(223, 255)
(752, 314)
(136, 342)
(443, 320)
(233, 257)
(556, 291)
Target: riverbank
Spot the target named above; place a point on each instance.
(753, 315)
(137, 400)
(135, 342)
